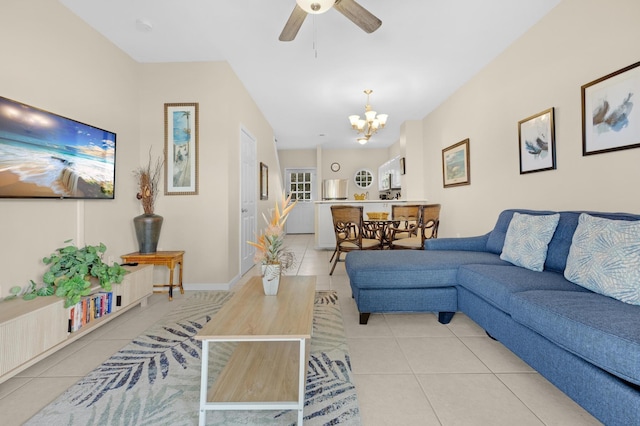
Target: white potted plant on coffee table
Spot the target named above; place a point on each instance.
(271, 253)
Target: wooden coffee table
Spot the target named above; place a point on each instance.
(267, 370)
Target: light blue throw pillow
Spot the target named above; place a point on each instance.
(605, 257)
(528, 238)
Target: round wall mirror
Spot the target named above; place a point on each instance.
(363, 178)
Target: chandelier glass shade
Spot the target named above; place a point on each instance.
(371, 123)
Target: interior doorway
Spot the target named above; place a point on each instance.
(248, 185)
(301, 184)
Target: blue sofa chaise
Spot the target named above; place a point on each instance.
(585, 343)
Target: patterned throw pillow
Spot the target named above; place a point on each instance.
(527, 239)
(605, 257)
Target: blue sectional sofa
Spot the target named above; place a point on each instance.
(585, 343)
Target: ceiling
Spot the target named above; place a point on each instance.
(306, 88)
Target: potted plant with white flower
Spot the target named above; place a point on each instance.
(271, 253)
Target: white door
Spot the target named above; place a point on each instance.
(248, 185)
(301, 184)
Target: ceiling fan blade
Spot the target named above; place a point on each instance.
(358, 15)
(293, 24)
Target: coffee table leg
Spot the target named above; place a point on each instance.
(203, 382)
(301, 380)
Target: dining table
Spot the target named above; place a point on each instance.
(379, 229)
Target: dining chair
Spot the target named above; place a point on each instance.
(427, 228)
(405, 221)
(348, 227)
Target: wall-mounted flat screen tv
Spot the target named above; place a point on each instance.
(45, 155)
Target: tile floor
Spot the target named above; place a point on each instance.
(408, 368)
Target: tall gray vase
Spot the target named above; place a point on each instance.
(148, 232)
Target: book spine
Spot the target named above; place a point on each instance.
(92, 309)
(83, 310)
(72, 314)
(77, 317)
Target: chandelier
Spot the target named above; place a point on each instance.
(371, 123)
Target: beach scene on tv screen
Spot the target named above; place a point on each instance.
(44, 155)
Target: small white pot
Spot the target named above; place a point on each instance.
(271, 278)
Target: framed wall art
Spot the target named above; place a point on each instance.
(264, 181)
(610, 122)
(456, 170)
(181, 149)
(403, 166)
(536, 142)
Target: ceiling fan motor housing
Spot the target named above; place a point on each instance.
(315, 6)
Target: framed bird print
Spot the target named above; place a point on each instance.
(537, 142)
(610, 121)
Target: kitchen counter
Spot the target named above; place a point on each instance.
(325, 236)
(401, 201)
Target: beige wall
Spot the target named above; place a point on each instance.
(413, 181)
(578, 42)
(352, 160)
(206, 225)
(54, 61)
(296, 158)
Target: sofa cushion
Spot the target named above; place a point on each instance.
(558, 248)
(602, 330)
(495, 243)
(527, 240)
(410, 268)
(560, 243)
(497, 284)
(605, 257)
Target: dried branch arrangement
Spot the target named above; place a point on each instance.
(148, 180)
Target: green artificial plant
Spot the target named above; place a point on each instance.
(70, 270)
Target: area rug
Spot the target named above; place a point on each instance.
(155, 379)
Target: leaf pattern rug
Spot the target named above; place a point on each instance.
(155, 379)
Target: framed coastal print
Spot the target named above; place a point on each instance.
(456, 169)
(536, 142)
(181, 149)
(610, 121)
(264, 181)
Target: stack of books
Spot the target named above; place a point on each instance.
(88, 309)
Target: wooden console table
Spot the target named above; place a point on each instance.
(161, 258)
(268, 367)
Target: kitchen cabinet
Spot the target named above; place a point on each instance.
(389, 175)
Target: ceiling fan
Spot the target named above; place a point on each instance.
(349, 8)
